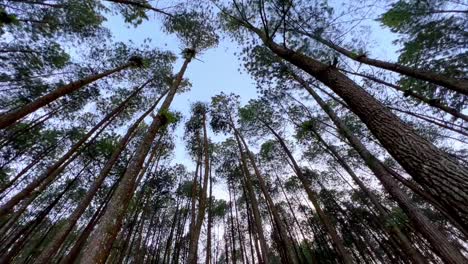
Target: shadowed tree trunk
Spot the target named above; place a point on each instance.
(9, 118)
(436, 171)
(420, 222)
(65, 229)
(254, 205)
(312, 195)
(54, 170)
(193, 245)
(100, 243)
(285, 239)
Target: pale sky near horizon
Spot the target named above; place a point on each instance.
(217, 69)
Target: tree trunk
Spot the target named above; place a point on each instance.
(254, 203)
(193, 246)
(210, 222)
(457, 85)
(331, 229)
(65, 229)
(421, 223)
(431, 102)
(54, 170)
(437, 172)
(285, 239)
(405, 243)
(9, 118)
(100, 243)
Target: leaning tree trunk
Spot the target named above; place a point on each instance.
(312, 195)
(285, 239)
(193, 246)
(438, 241)
(254, 206)
(431, 102)
(434, 169)
(404, 242)
(65, 229)
(9, 118)
(54, 170)
(457, 85)
(210, 222)
(100, 243)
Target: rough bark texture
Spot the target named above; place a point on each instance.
(9, 118)
(55, 169)
(457, 85)
(65, 229)
(436, 171)
(420, 222)
(100, 243)
(431, 102)
(325, 219)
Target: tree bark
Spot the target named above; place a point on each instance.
(9, 118)
(54, 170)
(100, 243)
(457, 85)
(65, 229)
(431, 102)
(420, 222)
(436, 171)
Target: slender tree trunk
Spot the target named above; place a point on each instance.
(23, 171)
(438, 241)
(193, 246)
(73, 253)
(251, 227)
(457, 85)
(210, 222)
(405, 243)
(54, 170)
(65, 229)
(100, 243)
(337, 241)
(431, 102)
(27, 230)
(9, 118)
(254, 203)
(232, 229)
(285, 239)
(436, 171)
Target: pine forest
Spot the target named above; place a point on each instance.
(233, 131)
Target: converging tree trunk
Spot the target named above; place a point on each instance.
(9, 118)
(100, 243)
(312, 195)
(193, 245)
(53, 171)
(65, 229)
(436, 171)
(438, 241)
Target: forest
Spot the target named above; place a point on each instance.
(233, 131)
